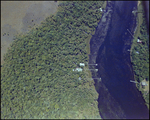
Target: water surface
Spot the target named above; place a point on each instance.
(114, 63)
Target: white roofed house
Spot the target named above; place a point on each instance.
(78, 69)
(137, 52)
(82, 64)
(145, 86)
(101, 9)
(144, 83)
(139, 41)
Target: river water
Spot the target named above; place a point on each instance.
(118, 97)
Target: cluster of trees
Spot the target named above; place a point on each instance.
(37, 80)
(140, 56)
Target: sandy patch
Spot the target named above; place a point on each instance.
(17, 16)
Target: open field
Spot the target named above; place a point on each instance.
(20, 16)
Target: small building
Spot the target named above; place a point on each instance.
(101, 9)
(139, 41)
(79, 78)
(78, 69)
(137, 52)
(144, 83)
(82, 64)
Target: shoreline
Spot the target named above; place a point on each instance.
(128, 90)
(145, 90)
(106, 102)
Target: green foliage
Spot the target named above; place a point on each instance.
(37, 80)
(140, 61)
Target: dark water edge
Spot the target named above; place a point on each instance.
(118, 97)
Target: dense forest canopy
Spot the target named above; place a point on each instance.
(140, 55)
(37, 80)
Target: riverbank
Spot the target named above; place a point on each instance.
(108, 106)
(110, 48)
(144, 89)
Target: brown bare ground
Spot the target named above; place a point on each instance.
(17, 16)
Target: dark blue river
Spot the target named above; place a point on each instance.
(118, 97)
